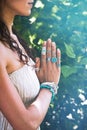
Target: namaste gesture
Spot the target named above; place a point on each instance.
(48, 67)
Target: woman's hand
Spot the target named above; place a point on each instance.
(49, 64)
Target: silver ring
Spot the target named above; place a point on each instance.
(48, 59)
(37, 69)
(48, 51)
(53, 59)
(43, 52)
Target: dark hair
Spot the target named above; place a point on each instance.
(9, 41)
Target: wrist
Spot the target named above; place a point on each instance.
(50, 86)
(46, 91)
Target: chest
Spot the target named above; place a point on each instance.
(13, 61)
(26, 82)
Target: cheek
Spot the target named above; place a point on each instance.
(20, 7)
(13, 4)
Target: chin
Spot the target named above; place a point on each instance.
(29, 13)
(25, 13)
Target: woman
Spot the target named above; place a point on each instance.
(21, 94)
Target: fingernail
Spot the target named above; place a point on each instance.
(53, 43)
(58, 49)
(49, 40)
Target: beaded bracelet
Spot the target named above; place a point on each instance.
(52, 87)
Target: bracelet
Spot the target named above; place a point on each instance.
(52, 87)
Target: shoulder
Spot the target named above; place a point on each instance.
(3, 54)
(2, 47)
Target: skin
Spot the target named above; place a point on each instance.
(11, 104)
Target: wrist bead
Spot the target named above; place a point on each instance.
(51, 86)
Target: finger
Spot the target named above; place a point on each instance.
(43, 55)
(37, 64)
(54, 58)
(48, 48)
(53, 49)
(58, 58)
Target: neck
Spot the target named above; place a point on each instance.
(8, 18)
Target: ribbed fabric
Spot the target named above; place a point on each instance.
(27, 84)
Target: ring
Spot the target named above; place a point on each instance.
(53, 59)
(43, 52)
(48, 59)
(37, 69)
(48, 51)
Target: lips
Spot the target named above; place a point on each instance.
(30, 2)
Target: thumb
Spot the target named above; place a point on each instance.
(37, 62)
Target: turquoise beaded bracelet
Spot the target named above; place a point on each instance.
(50, 89)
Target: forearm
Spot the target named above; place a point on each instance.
(38, 109)
(14, 110)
